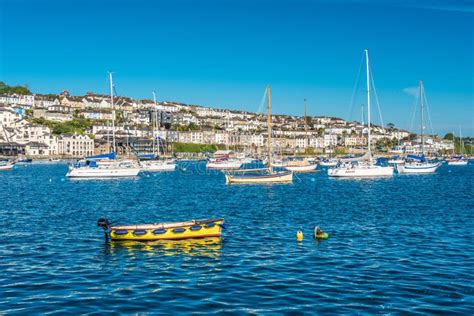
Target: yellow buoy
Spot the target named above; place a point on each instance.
(299, 235)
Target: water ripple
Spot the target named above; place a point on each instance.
(401, 245)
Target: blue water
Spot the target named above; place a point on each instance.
(396, 245)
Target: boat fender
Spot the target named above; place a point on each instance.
(159, 231)
(299, 235)
(121, 232)
(139, 232)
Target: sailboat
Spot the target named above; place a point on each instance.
(105, 165)
(6, 164)
(458, 160)
(302, 165)
(358, 169)
(263, 175)
(149, 163)
(418, 164)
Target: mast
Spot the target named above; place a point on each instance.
(368, 104)
(113, 111)
(421, 117)
(306, 126)
(269, 127)
(155, 117)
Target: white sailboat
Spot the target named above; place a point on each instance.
(459, 160)
(263, 175)
(104, 166)
(6, 165)
(156, 165)
(418, 164)
(363, 168)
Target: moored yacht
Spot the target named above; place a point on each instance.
(366, 167)
(419, 164)
(106, 165)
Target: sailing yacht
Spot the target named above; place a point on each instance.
(418, 164)
(263, 175)
(302, 165)
(458, 160)
(149, 163)
(365, 168)
(106, 165)
(6, 165)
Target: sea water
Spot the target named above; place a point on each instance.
(396, 245)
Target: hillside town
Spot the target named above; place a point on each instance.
(37, 125)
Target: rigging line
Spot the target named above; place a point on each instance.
(415, 107)
(262, 101)
(376, 97)
(354, 90)
(127, 128)
(428, 112)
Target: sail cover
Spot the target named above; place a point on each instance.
(415, 157)
(358, 158)
(110, 156)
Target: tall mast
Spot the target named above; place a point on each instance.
(269, 127)
(368, 103)
(421, 117)
(306, 126)
(113, 111)
(155, 123)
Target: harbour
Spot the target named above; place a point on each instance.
(402, 240)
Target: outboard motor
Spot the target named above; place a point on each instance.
(105, 224)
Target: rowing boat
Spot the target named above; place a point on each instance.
(163, 231)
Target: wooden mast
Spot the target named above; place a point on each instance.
(269, 127)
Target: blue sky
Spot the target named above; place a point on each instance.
(223, 53)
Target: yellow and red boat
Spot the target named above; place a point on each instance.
(163, 231)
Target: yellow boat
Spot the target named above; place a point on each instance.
(163, 231)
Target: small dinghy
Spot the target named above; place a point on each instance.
(163, 231)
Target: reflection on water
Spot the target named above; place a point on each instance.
(203, 247)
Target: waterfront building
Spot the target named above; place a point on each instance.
(75, 145)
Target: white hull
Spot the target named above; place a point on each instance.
(302, 168)
(157, 166)
(224, 165)
(417, 168)
(95, 173)
(258, 179)
(396, 161)
(361, 172)
(7, 166)
(328, 163)
(458, 162)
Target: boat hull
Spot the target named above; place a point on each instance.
(223, 166)
(457, 162)
(102, 173)
(328, 164)
(417, 168)
(307, 168)
(270, 178)
(156, 167)
(7, 166)
(361, 172)
(167, 231)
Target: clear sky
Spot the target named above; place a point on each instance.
(223, 53)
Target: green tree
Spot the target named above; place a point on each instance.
(449, 136)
